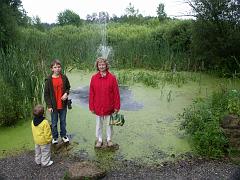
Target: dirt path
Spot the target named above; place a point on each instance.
(23, 167)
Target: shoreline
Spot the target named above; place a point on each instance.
(22, 166)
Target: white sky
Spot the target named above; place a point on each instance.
(48, 10)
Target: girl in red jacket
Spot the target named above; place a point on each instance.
(104, 99)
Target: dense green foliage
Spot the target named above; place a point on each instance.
(161, 12)
(21, 84)
(142, 46)
(73, 46)
(69, 17)
(11, 15)
(202, 122)
(216, 35)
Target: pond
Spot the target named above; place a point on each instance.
(151, 133)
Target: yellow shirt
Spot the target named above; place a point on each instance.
(42, 133)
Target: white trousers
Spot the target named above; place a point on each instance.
(42, 154)
(99, 127)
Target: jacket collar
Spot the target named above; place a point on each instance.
(38, 120)
(100, 76)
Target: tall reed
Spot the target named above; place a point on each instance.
(134, 46)
(22, 80)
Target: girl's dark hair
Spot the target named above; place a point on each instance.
(38, 110)
(55, 61)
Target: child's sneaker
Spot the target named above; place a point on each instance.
(65, 139)
(54, 141)
(48, 164)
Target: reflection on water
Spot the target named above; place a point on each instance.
(80, 96)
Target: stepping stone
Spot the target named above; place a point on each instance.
(85, 170)
(62, 147)
(107, 148)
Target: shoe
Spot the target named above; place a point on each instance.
(99, 144)
(54, 141)
(109, 143)
(65, 139)
(48, 164)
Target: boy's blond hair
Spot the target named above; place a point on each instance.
(38, 110)
(101, 59)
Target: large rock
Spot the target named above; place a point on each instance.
(231, 128)
(230, 122)
(62, 148)
(85, 170)
(233, 133)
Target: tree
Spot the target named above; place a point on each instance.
(37, 23)
(161, 12)
(69, 17)
(131, 11)
(216, 10)
(216, 34)
(12, 15)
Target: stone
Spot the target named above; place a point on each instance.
(230, 122)
(232, 133)
(85, 170)
(107, 148)
(63, 148)
(231, 128)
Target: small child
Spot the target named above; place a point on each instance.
(42, 137)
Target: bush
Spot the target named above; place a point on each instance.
(202, 122)
(10, 108)
(234, 102)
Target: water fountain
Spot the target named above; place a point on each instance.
(104, 50)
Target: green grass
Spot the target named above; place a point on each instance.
(16, 139)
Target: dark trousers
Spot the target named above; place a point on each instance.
(61, 114)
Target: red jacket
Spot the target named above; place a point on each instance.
(104, 94)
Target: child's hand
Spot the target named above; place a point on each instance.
(64, 97)
(50, 110)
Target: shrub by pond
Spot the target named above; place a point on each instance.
(203, 118)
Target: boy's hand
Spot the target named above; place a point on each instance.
(64, 97)
(50, 110)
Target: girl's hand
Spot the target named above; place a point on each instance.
(64, 97)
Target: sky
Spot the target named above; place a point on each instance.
(48, 10)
